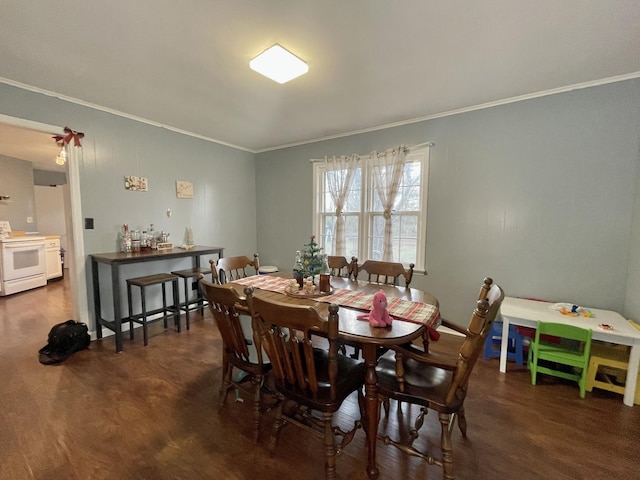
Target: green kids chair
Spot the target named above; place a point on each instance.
(572, 351)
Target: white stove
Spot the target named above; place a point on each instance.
(22, 261)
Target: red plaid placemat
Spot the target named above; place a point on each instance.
(415, 312)
(265, 282)
(349, 298)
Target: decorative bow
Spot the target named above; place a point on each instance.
(70, 134)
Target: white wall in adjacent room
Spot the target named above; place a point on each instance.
(50, 212)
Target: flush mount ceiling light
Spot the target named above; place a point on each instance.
(278, 64)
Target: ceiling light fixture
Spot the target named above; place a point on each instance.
(278, 64)
(62, 157)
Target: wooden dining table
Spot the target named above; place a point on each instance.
(354, 331)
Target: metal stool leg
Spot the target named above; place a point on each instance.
(130, 311)
(186, 301)
(164, 305)
(176, 307)
(145, 334)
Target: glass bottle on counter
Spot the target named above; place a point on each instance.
(126, 239)
(144, 241)
(153, 238)
(298, 270)
(135, 240)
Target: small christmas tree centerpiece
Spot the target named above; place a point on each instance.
(311, 258)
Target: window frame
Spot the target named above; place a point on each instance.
(366, 214)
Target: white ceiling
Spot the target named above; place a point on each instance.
(372, 63)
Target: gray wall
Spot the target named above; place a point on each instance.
(16, 181)
(222, 212)
(48, 177)
(537, 194)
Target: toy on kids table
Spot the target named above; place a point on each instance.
(379, 315)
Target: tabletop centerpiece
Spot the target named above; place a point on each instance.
(310, 261)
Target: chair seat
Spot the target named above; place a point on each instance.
(351, 378)
(192, 272)
(152, 279)
(423, 385)
(557, 353)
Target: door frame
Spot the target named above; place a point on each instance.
(73, 207)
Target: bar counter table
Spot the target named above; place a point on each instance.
(115, 260)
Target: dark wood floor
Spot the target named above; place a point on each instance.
(150, 413)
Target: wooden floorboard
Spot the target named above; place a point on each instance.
(151, 413)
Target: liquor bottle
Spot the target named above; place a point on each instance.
(298, 270)
(325, 275)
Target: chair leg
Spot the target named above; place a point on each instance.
(256, 380)
(591, 375)
(227, 371)
(278, 423)
(533, 366)
(462, 422)
(329, 448)
(582, 382)
(445, 443)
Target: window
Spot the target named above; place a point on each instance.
(363, 212)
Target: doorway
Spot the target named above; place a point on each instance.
(74, 257)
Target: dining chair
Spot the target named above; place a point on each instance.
(228, 269)
(312, 382)
(437, 381)
(340, 266)
(388, 273)
(568, 359)
(223, 301)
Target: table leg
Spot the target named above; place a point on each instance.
(632, 376)
(372, 407)
(504, 344)
(97, 307)
(117, 314)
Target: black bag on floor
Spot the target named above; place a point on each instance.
(64, 339)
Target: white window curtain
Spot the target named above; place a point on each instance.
(388, 167)
(341, 170)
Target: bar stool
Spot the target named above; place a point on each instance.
(148, 281)
(191, 276)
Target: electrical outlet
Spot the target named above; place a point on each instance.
(29, 219)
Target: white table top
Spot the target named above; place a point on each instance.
(528, 312)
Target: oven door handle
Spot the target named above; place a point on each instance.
(23, 245)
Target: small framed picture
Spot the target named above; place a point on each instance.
(131, 182)
(184, 189)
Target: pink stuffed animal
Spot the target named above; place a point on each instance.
(378, 316)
